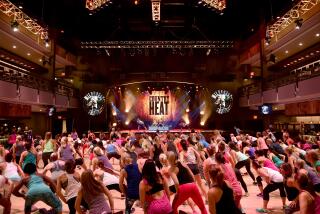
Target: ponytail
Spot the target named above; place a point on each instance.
(217, 176)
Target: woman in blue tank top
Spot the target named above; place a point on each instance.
(132, 175)
(29, 156)
(37, 190)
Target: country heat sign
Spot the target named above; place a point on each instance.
(159, 106)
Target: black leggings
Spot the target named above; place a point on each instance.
(71, 205)
(240, 179)
(114, 187)
(272, 187)
(245, 163)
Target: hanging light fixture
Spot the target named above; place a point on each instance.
(298, 23)
(47, 42)
(155, 10)
(15, 26)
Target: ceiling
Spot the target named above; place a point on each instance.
(71, 23)
(180, 19)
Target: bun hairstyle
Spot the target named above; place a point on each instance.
(222, 146)
(220, 158)
(211, 150)
(286, 169)
(216, 175)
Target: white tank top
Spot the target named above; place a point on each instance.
(190, 157)
(240, 156)
(11, 172)
(274, 175)
(72, 188)
(109, 179)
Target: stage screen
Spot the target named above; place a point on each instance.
(159, 110)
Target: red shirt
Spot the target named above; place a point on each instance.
(289, 141)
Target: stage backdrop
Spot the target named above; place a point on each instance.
(158, 109)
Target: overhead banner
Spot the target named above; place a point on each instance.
(159, 107)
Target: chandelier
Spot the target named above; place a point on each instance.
(22, 19)
(155, 6)
(97, 4)
(214, 4)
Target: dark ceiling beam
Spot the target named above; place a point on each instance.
(156, 44)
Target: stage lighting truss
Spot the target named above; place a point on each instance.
(22, 19)
(156, 44)
(214, 4)
(295, 13)
(97, 4)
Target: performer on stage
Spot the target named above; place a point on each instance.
(141, 124)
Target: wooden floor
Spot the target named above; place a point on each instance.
(249, 203)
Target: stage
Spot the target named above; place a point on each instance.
(141, 131)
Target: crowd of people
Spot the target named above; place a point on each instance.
(159, 172)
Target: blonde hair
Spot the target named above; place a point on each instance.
(48, 136)
(172, 158)
(98, 151)
(162, 157)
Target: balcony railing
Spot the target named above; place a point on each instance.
(305, 72)
(22, 77)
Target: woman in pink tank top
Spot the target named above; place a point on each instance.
(230, 177)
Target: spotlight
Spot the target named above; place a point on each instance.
(268, 40)
(15, 26)
(127, 122)
(187, 122)
(107, 52)
(114, 124)
(298, 23)
(208, 52)
(187, 110)
(202, 123)
(114, 113)
(47, 42)
(127, 110)
(202, 112)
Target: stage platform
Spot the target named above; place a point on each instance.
(141, 131)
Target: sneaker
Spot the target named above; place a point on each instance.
(260, 195)
(261, 210)
(246, 194)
